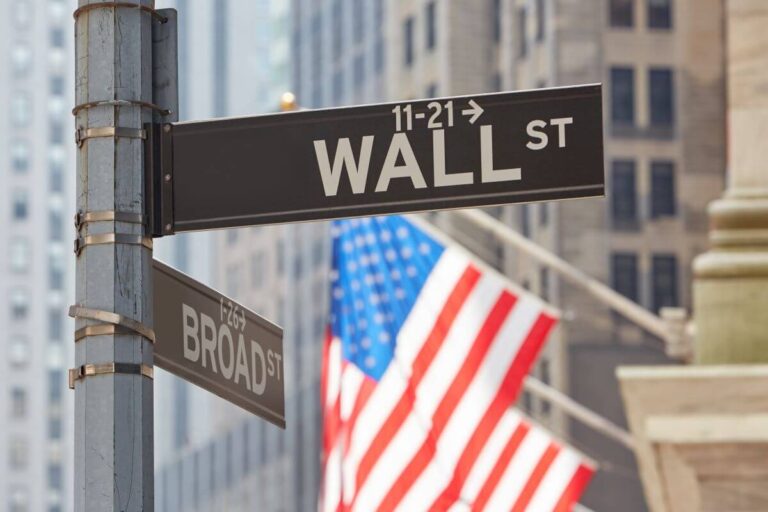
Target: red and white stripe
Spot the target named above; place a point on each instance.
(437, 432)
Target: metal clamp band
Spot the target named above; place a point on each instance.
(111, 318)
(111, 238)
(83, 134)
(122, 103)
(100, 5)
(107, 216)
(100, 330)
(88, 370)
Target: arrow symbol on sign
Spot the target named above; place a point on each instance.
(476, 111)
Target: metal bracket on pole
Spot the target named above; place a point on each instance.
(158, 181)
(82, 218)
(83, 134)
(111, 238)
(111, 318)
(88, 370)
(112, 5)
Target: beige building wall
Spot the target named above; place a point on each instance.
(574, 43)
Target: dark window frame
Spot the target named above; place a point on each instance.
(663, 195)
(621, 13)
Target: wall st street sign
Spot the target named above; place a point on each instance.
(390, 158)
(210, 340)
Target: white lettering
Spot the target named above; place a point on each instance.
(541, 135)
(190, 333)
(344, 157)
(226, 369)
(441, 178)
(561, 123)
(256, 352)
(241, 368)
(400, 145)
(209, 340)
(488, 173)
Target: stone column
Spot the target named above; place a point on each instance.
(731, 280)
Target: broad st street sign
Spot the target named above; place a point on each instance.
(210, 340)
(411, 156)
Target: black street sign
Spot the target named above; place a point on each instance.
(210, 340)
(467, 151)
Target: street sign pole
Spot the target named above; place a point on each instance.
(112, 378)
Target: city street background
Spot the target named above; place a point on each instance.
(661, 63)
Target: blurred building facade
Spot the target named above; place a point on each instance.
(664, 106)
(36, 261)
(234, 59)
(665, 159)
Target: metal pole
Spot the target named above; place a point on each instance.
(113, 373)
(634, 312)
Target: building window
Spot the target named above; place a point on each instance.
(664, 286)
(18, 350)
(359, 71)
(56, 274)
(18, 501)
(661, 97)
(544, 283)
(57, 85)
(525, 220)
(408, 41)
(19, 256)
(359, 22)
(623, 194)
(621, 13)
(545, 375)
(18, 402)
(19, 304)
(20, 156)
(543, 214)
(57, 37)
(233, 280)
(258, 269)
(55, 226)
(623, 96)
(496, 20)
(20, 204)
(522, 36)
(624, 275)
(54, 428)
(660, 14)
(56, 177)
(338, 31)
(496, 84)
(280, 257)
(378, 55)
(431, 25)
(663, 189)
(541, 19)
(57, 131)
(55, 386)
(54, 476)
(21, 109)
(18, 455)
(431, 91)
(55, 325)
(338, 86)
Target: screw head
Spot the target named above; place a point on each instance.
(167, 177)
(166, 128)
(168, 227)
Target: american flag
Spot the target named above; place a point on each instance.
(425, 354)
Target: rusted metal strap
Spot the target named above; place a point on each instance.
(111, 238)
(110, 318)
(115, 132)
(130, 5)
(88, 370)
(82, 218)
(122, 103)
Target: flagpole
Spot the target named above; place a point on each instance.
(577, 411)
(671, 327)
